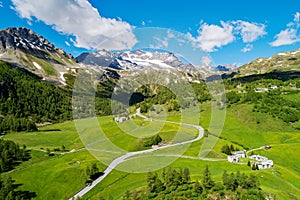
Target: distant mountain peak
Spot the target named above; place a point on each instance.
(26, 40)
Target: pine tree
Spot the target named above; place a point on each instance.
(207, 181)
(225, 179)
(249, 163)
(197, 187)
(186, 175)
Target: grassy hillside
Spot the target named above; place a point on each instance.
(238, 129)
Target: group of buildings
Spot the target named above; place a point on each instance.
(261, 161)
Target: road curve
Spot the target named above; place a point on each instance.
(123, 158)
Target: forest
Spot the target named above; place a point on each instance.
(11, 155)
(26, 100)
(177, 184)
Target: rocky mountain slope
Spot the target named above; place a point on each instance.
(23, 48)
(284, 61)
(131, 60)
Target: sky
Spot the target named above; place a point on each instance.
(228, 32)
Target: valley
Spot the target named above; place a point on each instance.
(129, 113)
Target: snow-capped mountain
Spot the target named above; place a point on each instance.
(27, 41)
(26, 49)
(131, 60)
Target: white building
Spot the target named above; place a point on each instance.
(121, 119)
(240, 154)
(235, 158)
(258, 158)
(265, 164)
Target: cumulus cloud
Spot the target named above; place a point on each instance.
(211, 37)
(249, 31)
(247, 48)
(290, 35)
(81, 20)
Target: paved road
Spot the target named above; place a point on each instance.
(123, 158)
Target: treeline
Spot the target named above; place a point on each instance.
(177, 184)
(148, 95)
(8, 190)
(270, 102)
(24, 96)
(16, 124)
(11, 154)
(228, 149)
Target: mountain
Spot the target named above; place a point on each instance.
(225, 67)
(26, 40)
(23, 48)
(131, 60)
(284, 62)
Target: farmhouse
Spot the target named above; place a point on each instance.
(121, 119)
(258, 158)
(235, 158)
(263, 162)
(240, 154)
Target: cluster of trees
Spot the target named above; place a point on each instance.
(16, 124)
(228, 149)
(153, 140)
(177, 184)
(11, 154)
(269, 102)
(92, 172)
(235, 180)
(24, 95)
(8, 190)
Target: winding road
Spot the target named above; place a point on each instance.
(123, 158)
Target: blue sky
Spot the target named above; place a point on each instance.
(230, 32)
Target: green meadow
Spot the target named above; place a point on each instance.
(63, 174)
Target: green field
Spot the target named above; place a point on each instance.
(53, 177)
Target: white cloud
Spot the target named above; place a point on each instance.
(81, 20)
(290, 35)
(247, 48)
(1, 5)
(212, 37)
(286, 37)
(249, 31)
(297, 17)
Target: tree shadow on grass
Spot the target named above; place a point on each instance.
(22, 194)
(97, 175)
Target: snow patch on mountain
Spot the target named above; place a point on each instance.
(37, 65)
